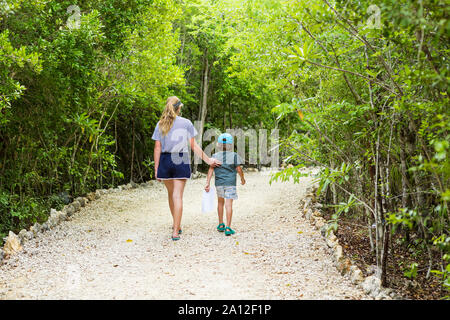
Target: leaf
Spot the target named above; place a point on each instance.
(129, 240)
(300, 114)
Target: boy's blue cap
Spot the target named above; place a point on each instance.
(225, 138)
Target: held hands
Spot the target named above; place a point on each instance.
(213, 162)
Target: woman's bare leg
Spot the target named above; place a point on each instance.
(170, 187)
(177, 198)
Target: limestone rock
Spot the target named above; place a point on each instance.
(331, 240)
(52, 221)
(372, 286)
(338, 253)
(320, 222)
(372, 269)
(81, 201)
(344, 266)
(307, 202)
(76, 205)
(69, 210)
(29, 235)
(62, 216)
(356, 276)
(12, 244)
(36, 228)
(134, 184)
(91, 196)
(22, 235)
(318, 205)
(308, 214)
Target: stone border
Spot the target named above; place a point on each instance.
(13, 243)
(347, 268)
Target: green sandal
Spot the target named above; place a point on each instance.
(221, 227)
(229, 231)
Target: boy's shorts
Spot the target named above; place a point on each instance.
(226, 192)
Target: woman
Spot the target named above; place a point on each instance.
(173, 134)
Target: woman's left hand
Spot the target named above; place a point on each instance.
(214, 162)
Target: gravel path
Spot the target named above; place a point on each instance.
(119, 247)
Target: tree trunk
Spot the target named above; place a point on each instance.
(132, 146)
(203, 105)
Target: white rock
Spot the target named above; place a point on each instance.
(81, 201)
(331, 240)
(134, 184)
(307, 202)
(338, 253)
(371, 286)
(356, 275)
(76, 205)
(22, 235)
(29, 235)
(52, 221)
(69, 210)
(36, 228)
(12, 244)
(320, 222)
(62, 215)
(308, 214)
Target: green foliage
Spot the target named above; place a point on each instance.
(366, 103)
(364, 98)
(411, 273)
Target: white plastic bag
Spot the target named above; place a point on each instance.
(208, 199)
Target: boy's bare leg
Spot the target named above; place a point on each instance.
(220, 203)
(229, 209)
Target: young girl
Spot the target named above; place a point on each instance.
(225, 180)
(173, 136)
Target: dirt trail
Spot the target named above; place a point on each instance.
(119, 247)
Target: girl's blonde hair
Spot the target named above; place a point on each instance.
(172, 109)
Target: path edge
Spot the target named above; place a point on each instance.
(371, 285)
(13, 243)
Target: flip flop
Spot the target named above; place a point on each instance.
(175, 238)
(229, 231)
(221, 227)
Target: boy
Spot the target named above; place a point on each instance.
(225, 180)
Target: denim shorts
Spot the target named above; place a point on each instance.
(174, 166)
(227, 192)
